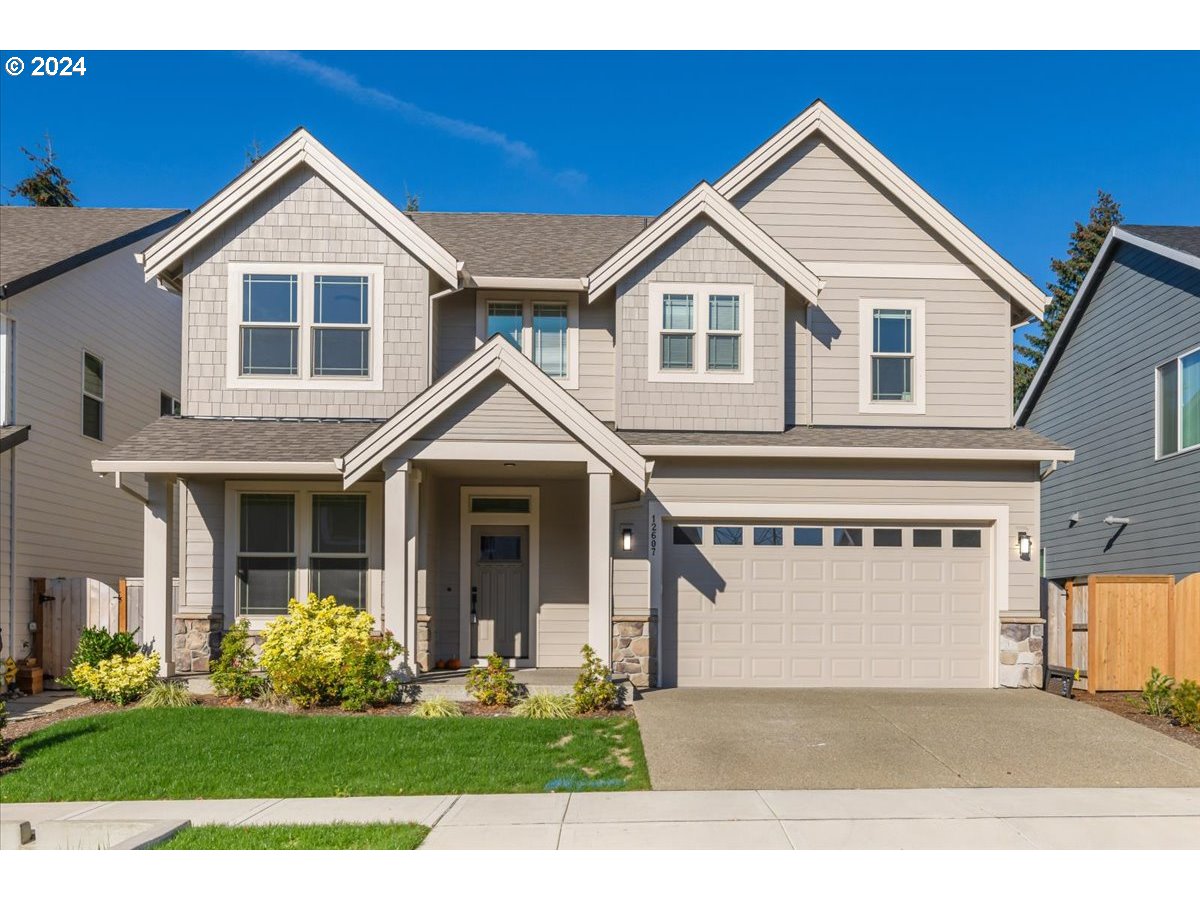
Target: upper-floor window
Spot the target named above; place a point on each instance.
(93, 396)
(545, 330)
(168, 405)
(701, 332)
(892, 356)
(305, 325)
(1178, 414)
(7, 370)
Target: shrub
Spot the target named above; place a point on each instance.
(3, 714)
(232, 672)
(541, 705)
(324, 652)
(1185, 703)
(437, 708)
(493, 684)
(119, 679)
(1156, 694)
(168, 695)
(95, 646)
(270, 698)
(594, 688)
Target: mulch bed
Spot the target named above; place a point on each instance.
(1127, 705)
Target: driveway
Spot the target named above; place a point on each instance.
(735, 739)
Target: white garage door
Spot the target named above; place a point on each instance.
(761, 604)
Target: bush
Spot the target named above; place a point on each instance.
(232, 672)
(594, 688)
(1185, 703)
(95, 646)
(324, 652)
(119, 679)
(1156, 694)
(493, 684)
(3, 714)
(168, 695)
(542, 705)
(437, 708)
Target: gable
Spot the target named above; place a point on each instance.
(494, 411)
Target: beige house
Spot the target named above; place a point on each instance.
(764, 439)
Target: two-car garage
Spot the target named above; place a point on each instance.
(766, 603)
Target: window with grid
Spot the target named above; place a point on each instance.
(338, 558)
(1178, 414)
(724, 333)
(93, 396)
(506, 318)
(892, 355)
(678, 335)
(550, 338)
(341, 333)
(270, 334)
(266, 562)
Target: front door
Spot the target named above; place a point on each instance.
(500, 591)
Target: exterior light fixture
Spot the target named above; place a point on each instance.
(1025, 544)
(626, 537)
(1116, 520)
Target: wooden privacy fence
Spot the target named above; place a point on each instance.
(1114, 628)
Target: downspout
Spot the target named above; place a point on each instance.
(12, 548)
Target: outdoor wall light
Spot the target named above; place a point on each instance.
(626, 537)
(1024, 544)
(1116, 520)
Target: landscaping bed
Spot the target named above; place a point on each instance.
(336, 836)
(1128, 705)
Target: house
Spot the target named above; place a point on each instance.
(764, 438)
(89, 355)
(1120, 383)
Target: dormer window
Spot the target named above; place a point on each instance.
(891, 356)
(545, 329)
(701, 333)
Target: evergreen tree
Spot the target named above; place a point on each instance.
(254, 153)
(47, 186)
(1082, 248)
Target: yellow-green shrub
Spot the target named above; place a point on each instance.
(118, 678)
(324, 652)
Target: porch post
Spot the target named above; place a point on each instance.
(599, 560)
(412, 517)
(158, 608)
(395, 550)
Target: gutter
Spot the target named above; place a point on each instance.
(802, 452)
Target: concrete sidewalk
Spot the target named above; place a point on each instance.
(932, 819)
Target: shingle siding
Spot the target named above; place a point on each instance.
(1100, 400)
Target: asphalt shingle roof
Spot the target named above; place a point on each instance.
(242, 440)
(1178, 237)
(854, 436)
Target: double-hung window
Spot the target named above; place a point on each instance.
(678, 332)
(93, 396)
(1178, 413)
(341, 344)
(338, 561)
(892, 365)
(266, 563)
(701, 333)
(270, 324)
(545, 330)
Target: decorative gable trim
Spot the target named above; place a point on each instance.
(496, 356)
(819, 118)
(703, 200)
(300, 148)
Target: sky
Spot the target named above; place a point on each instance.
(1014, 144)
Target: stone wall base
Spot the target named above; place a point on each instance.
(421, 653)
(1021, 652)
(635, 649)
(197, 642)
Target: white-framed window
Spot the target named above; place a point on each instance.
(93, 396)
(701, 333)
(544, 328)
(305, 325)
(8, 370)
(1177, 402)
(168, 405)
(891, 356)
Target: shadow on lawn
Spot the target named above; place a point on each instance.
(32, 744)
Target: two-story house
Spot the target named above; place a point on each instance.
(764, 438)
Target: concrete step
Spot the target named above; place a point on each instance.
(98, 834)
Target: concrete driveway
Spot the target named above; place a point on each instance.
(727, 738)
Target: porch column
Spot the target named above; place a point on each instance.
(411, 519)
(599, 559)
(395, 550)
(158, 608)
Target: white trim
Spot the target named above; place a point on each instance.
(1179, 448)
(467, 519)
(702, 200)
(571, 380)
(500, 451)
(866, 350)
(836, 268)
(701, 294)
(8, 369)
(1188, 259)
(513, 283)
(784, 451)
(820, 118)
(303, 380)
(216, 467)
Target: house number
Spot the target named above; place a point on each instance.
(653, 535)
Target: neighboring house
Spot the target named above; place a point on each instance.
(89, 355)
(762, 439)
(1121, 385)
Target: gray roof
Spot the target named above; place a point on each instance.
(11, 435)
(243, 440)
(854, 436)
(530, 245)
(38, 243)
(1185, 238)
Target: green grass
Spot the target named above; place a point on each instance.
(338, 836)
(144, 754)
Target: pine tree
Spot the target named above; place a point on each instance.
(47, 186)
(1082, 248)
(254, 153)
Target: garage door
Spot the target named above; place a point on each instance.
(760, 604)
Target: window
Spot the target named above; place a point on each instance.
(966, 537)
(93, 396)
(927, 537)
(808, 536)
(338, 561)
(847, 537)
(341, 329)
(768, 537)
(167, 405)
(499, 548)
(270, 324)
(727, 535)
(7, 370)
(500, 504)
(892, 371)
(507, 319)
(1178, 414)
(700, 332)
(688, 535)
(546, 330)
(550, 338)
(887, 537)
(266, 563)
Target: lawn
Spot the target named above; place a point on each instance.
(143, 754)
(338, 836)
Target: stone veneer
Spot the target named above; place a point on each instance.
(197, 641)
(422, 657)
(1021, 653)
(635, 640)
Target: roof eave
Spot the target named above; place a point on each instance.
(652, 451)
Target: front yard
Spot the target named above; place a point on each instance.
(339, 836)
(142, 754)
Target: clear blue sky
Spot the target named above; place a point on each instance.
(1014, 144)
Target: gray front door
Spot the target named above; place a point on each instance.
(500, 591)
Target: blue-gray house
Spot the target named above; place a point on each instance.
(1121, 385)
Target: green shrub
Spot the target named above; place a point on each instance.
(95, 646)
(594, 688)
(437, 708)
(120, 679)
(1156, 694)
(233, 671)
(493, 684)
(3, 715)
(542, 705)
(1185, 703)
(168, 695)
(324, 652)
